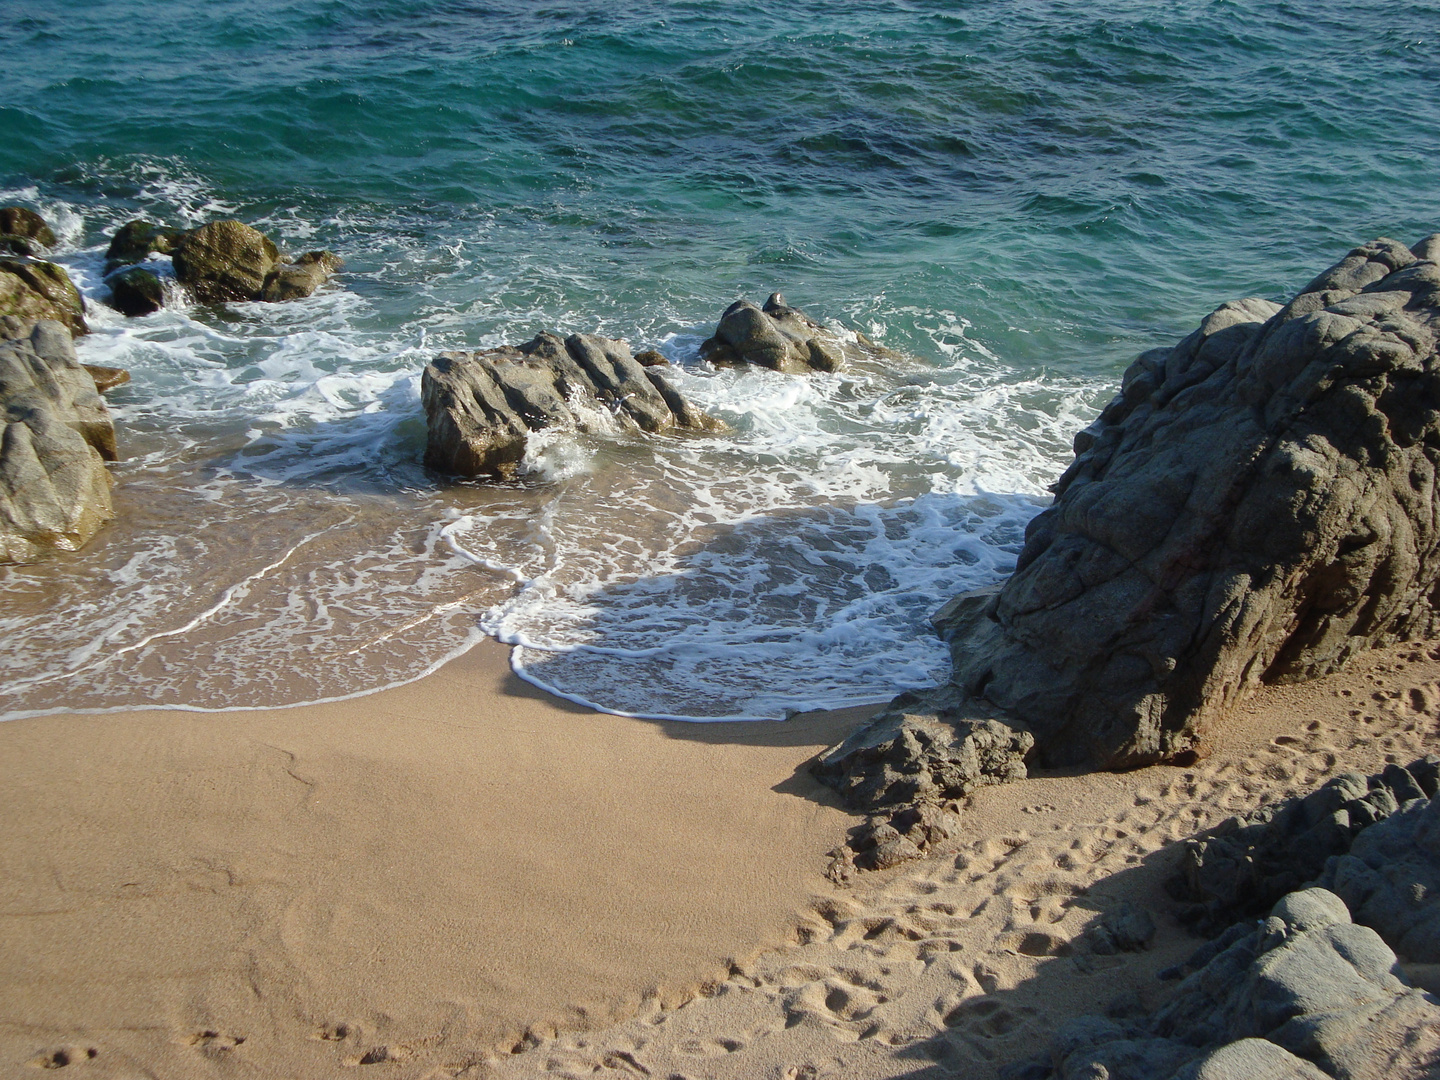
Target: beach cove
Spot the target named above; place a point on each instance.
(319, 759)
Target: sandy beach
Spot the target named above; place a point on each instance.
(440, 867)
(463, 877)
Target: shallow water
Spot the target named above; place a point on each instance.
(1018, 198)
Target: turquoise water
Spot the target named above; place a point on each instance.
(1018, 197)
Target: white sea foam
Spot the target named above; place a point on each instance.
(278, 540)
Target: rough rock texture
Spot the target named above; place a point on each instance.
(780, 337)
(55, 437)
(925, 748)
(107, 378)
(24, 232)
(482, 406)
(31, 289)
(291, 281)
(908, 767)
(1390, 879)
(225, 261)
(1247, 864)
(1257, 505)
(1306, 994)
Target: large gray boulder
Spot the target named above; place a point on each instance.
(780, 337)
(1257, 505)
(1390, 879)
(481, 407)
(1240, 869)
(55, 437)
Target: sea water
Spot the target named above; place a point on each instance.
(1016, 198)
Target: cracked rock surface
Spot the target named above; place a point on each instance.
(55, 437)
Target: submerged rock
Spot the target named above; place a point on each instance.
(482, 406)
(134, 241)
(31, 289)
(24, 232)
(136, 291)
(779, 337)
(55, 437)
(1258, 504)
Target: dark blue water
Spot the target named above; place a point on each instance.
(1019, 197)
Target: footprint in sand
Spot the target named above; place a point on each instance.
(62, 1056)
(215, 1044)
(710, 1048)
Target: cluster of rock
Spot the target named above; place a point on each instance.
(1257, 505)
(782, 338)
(55, 437)
(217, 263)
(55, 432)
(24, 232)
(1307, 994)
(1248, 863)
(482, 406)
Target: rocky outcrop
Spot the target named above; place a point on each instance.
(1307, 994)
(107, 378)
(908, 768)
(482, 406)
(923, 749)
(1257, 505)
(780, 337)
(31, 288)
(1390, 879)
(293, 280)
(217, 263)
(225, 261)
(24, 232)
(55, 437)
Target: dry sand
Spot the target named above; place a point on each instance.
(464, 877)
